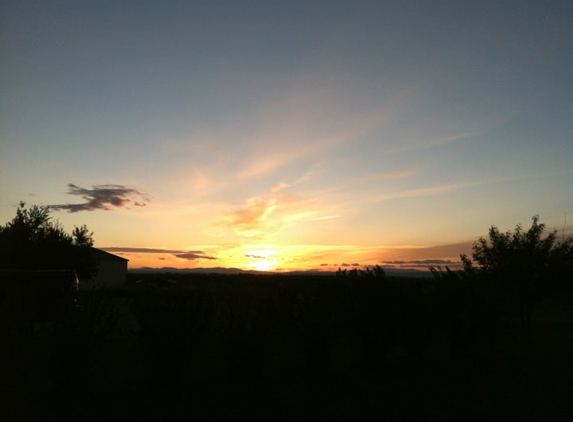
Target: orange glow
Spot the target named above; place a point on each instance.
(272, 257)
(264, 265)
(261, 258)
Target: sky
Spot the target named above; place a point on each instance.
(288, 135)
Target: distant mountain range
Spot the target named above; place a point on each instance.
(396, 272)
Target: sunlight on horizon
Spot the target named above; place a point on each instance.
(262, 259)
(264, 265)
(274, 258)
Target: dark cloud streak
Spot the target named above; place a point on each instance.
(118, 249)
(182, 254)
(422, 263)
(104, 197)
(194, 255)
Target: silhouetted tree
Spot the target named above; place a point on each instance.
(33, 240)
(82, 236)
(525, 263)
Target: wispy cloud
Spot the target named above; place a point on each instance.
(279, 187)
(285, 129)
(104, 197)
(345, 195)
(310, 126)
(444, 140)
(428, 191)
(418, 141)
(449, 187)
(325, 217)
(269, 213)
(391, 175)
(247, 220)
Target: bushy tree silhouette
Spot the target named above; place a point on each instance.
(528, 265)
(33, 240)
(82, 236)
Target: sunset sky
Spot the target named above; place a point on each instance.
(283, 135)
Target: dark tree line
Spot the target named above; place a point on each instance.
(33, 240)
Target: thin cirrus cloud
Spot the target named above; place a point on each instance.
(301, 125)
(295, 141)
(104, 197)
(391, 175)
(446, 188)
(426, 143)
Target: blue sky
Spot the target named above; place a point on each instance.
(289, 135)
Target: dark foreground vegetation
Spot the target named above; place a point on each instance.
(340, 347)
(492, 341)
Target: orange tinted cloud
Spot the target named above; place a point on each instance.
(247, 221)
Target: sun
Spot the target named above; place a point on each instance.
(262, 257)
(263, 264)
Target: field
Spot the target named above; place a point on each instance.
(209, 347)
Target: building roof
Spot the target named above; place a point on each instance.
(105, 256)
